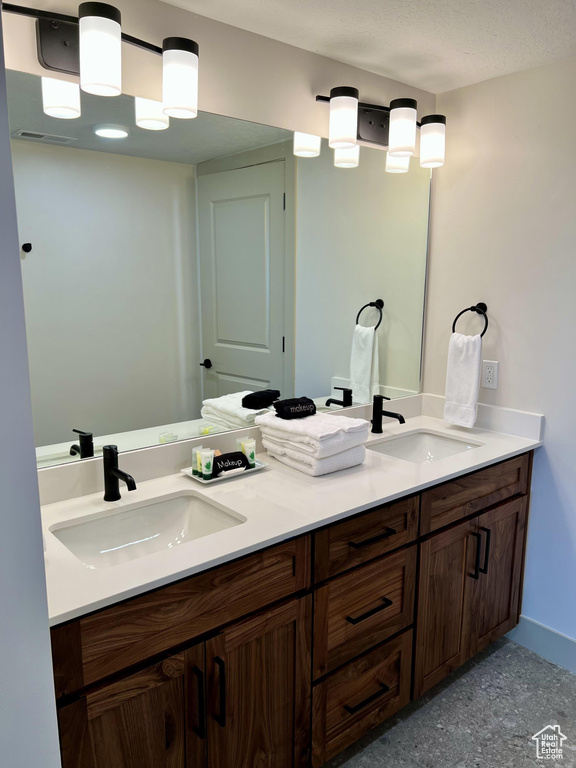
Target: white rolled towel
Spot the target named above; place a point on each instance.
(319, 449)
(311, 429)
(317, 467)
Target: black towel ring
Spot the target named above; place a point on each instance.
(480, 308)
(379, 304)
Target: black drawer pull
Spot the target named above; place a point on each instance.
(200, 729)
(221, 716)
(361, 544)
(476, 574)
(488, 533)
(386, 604)
(357, 707)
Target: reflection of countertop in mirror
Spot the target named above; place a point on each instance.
(278, 503)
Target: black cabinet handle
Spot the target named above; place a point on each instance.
(361, 544)
(478, 537)
(369, 700)
(207, 363)
(200, 729)
(386, 604)
(488, 533)
(221, 716)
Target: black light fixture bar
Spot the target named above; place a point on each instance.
(362, 105)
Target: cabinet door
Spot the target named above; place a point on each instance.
(496, 593)
(259, 685)
(152, 719)
(447, 569)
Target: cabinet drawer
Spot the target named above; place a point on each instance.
(364, 537)
(452, 501)
(92, 648)
(359, 696)
(361, 609)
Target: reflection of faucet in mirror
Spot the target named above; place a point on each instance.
(378, 412)
(112, 475)
(86, 448)
(346, 401)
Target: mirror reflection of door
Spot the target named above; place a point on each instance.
(242, 262)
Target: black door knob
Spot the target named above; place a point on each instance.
(207, 363)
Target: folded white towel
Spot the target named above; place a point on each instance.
(228, 411)
(319, 427)
(317, 467)
(463, 379)
(319, 449)
(364, 364)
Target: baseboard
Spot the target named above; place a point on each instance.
(546, 642)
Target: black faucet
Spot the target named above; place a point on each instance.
(378, 412)
(113, 475)
(86, 448)
(346, 401)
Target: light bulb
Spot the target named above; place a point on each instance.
(402, 141)
(432, 141)
(347, 158)
(111, 131)
(60, 98)
(180, 77)
(150, 114)
(397, 164)
(306, 145)
(343, 130)
(100, 49)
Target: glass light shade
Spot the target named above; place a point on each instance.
(180, 77)
(60, 98)
(397, 164)
(111, 131)
(402, 141)
(433, 141)
(150, 114)
(306, 144)
(343, 129)
(347, 158)
(100, 49)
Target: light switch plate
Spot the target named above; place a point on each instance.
(490, 374)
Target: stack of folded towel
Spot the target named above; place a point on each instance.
(227, 411)
(317, 444)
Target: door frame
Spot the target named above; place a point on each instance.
(274, 153)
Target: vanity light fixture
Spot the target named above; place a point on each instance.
(306, 144)
(180, 77)
(343, 117)
(397, 164)
(150, 114)
(432, 141)
(100, 49)
(347, 158)
(60, 98)
(111, 131)
(402, 136)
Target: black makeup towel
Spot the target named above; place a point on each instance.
(262, 399)
(227, 461)
(296, 408)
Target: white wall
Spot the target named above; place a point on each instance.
(110, 290)
(27, 712)
(361, 235)
(504, 232)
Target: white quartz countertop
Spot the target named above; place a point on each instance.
(278, 503)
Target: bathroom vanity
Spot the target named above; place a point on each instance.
(287, 655)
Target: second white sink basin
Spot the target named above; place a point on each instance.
(110, 538)
(423, 447)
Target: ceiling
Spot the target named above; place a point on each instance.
(185, 141)
(436, 45)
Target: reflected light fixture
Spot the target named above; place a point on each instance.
(180, 77)
(150, 114)
(397, 164)
(432, 141)
(60, 98)
(343, 117)
(402, 137)
(347, 158)
(306, 144)
(111, 131)
(100, 49)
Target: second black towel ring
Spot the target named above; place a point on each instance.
(480, 308)
(379, 304)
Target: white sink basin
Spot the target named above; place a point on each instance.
(423, 447)
(110, 538)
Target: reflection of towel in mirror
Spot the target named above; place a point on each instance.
(463, 379)
(364, 365)
(227, 411)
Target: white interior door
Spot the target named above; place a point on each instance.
(241, 239)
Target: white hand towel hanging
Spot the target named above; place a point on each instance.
(463, 379)
(364, 364)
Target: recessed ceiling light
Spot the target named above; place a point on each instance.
(111, 131)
